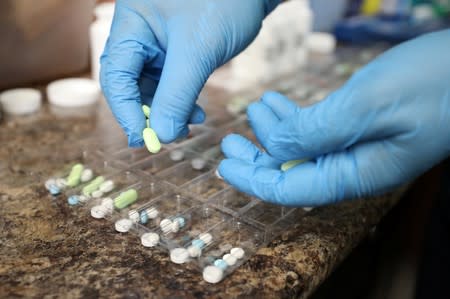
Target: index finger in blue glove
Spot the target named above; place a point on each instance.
(122, 62)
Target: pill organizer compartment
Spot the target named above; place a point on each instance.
(231, 234)
(132, 156)
(104, 143)
(266, 214)
(205, 187)
(186, 171)
(202, 219)
(120, 180)
(195, 132)
(232, 201)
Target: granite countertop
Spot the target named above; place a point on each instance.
(48, 249)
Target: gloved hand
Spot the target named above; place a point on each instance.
(388, 124)
(161, 53)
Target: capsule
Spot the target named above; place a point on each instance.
(125, 199)
(151, 140)
(93, 186)
(75, 175)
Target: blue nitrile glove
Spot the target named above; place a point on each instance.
(388, 124)
(162, 52)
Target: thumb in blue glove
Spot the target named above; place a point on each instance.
(161, 53)
(388, 124)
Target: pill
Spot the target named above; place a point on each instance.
(179, 255)
(93, 186)
(61, 183)
(181, 221)
(151, 140)
(146, 109)
(212, 274)
(125, 199)
(48, 183)
(150, 239)
(166, 225)
(134, 216)
(237, 252)
(123, 225)
(194, 251)
(86, 175)
(205, 237)
(289, 164)
(97, 194)
(220, 263)
(108, 204)
(229, 259)
(152, 213)
(175, 226)
(217, 174)
(147, 122)
(98, 212)
(198, 243)
(54, 190)
(143, 218)
(176, 155)
(198, 163)
(307, 209)
(82, 198)
(73, 200)
(75, 175)
(107, 186)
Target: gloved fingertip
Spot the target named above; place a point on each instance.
(166, 128)
(198, 116)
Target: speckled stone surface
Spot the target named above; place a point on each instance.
(49, 250)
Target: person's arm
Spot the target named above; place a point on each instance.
(161, 53)
(388, 124)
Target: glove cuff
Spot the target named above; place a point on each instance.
(269, 5)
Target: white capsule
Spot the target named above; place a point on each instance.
(98, 212)
(97, 194)
(86, 175)
(205, 237)
(82, 198)
(61, 183)
(229, 259)
(176, 155)
(194, 251)
(166, 225)
(237, 252)
(133, 215)
(152, 213)
(175, 226)
(212, 274)
(49, 183)
(150, 239)
(198, 163)
(107, 186)
(108, 204)
(123, 225)
(179, 255)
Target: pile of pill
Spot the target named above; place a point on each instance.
(77, 175)
(148, 134)
(214, 273)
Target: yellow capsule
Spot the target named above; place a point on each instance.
(289, 164)
(151, 140)
(146, 110)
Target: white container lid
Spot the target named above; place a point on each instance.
(21, 101)
(321, 42)
(73, 92)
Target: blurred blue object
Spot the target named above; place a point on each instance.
(327, 13)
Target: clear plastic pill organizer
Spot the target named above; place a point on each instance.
(174, 200)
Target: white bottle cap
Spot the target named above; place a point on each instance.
(73, 92)
(21, 101)
(321, 42)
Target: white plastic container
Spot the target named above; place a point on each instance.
(99, 32)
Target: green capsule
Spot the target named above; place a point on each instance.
(93, 186)
(289, 164)
(151, 140)
(125, 199)
(75, 175)
(146, 110)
